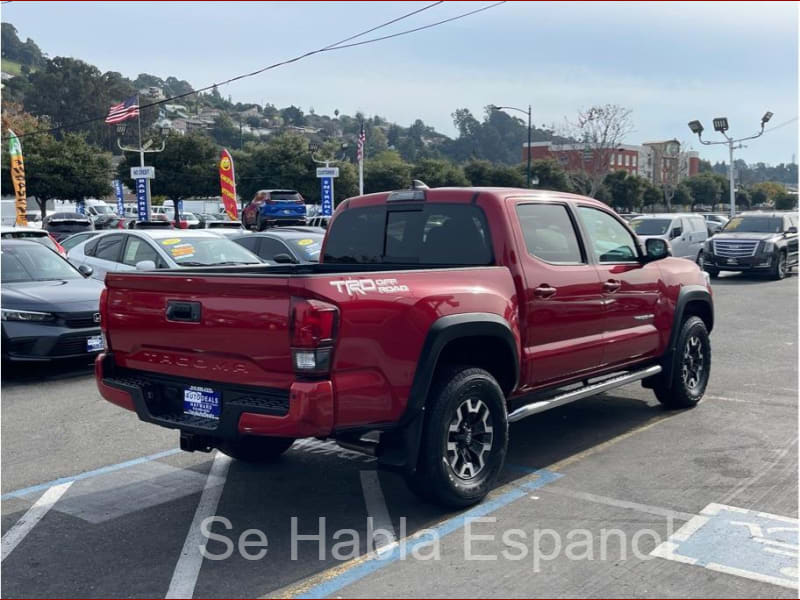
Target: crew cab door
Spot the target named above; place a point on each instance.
(630, 288)
(790, 221)
(562, 304)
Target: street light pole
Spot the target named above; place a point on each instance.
(141, 149)
(530, 129)
(721, 126)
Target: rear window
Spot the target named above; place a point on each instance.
(650, 226)
(286, 196)
(33, 236)
(434, 234)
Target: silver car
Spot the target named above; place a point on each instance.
(686, 233)
(147, 249)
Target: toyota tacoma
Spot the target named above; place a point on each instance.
(434, 319)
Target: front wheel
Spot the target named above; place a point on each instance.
(701, 261)
(779, 270)
(712, 272)
(254, 448)
(464, 440)
(691, 368)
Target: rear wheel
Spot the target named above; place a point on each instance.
(464, 441)
(254, 448)
(691, 368)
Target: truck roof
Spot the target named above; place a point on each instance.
(465, 194)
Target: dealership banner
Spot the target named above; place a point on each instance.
(18, 178)
(117, 184)
(228, 184)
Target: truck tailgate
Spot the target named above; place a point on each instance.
(231, 329)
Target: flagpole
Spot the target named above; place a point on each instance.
(141, 155)
(361, 176)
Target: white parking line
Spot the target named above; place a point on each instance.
(29, 520)
(377, 511)
(184, 578)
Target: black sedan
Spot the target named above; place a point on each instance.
(284, 245)
(50, 309)
(63, 224)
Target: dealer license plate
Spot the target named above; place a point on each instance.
(202, 402)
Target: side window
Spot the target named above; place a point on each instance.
(549, 233)
(609, 239)
(90, 247)
(270, 248)
(137, 250)
(108, 247)
(249, 243)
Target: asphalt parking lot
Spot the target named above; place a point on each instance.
(607, 497)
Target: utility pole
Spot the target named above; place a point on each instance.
(530, 129)
(721, 126)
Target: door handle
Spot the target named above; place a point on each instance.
(544, 291)
(612, 285)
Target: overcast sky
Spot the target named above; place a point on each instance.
(669, 62)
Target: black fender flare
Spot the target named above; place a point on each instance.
(402, 442)
(688, 293)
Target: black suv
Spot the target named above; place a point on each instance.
(760, 241)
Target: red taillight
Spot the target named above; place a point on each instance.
(104, 318)
(312, 331)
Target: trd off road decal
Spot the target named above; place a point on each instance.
(355, 287)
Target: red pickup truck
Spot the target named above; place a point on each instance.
(434, 319)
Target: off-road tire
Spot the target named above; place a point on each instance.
(464, 438)
(691, 367)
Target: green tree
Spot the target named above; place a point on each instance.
(484, 173)
(705, 189)
(758, 196)
(282, 162)
(67, 169)
(683, 195)
(293, 116)
(439, 173)
(626, 190)
(743, 199)
(386, 171)
(550, 173)
(652, 195)
(70, 91)
(786, 201)
(187, 167)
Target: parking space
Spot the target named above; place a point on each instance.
(609, 496)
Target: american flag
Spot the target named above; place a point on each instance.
(124, 110)
(362, 138)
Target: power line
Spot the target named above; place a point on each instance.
(341, 44)
(784, 124)
(238, 77)
(408, 31)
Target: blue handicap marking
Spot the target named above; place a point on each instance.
(740, 542)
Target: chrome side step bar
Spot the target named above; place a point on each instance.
(580, 393)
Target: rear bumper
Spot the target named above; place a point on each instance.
(748, 263)
(25, 341)
(305, 410)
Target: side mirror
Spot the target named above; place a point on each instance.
(145, 265)
(676, 232)
(792, 230)
(85, 270)
(656, 249)
(283, 259)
